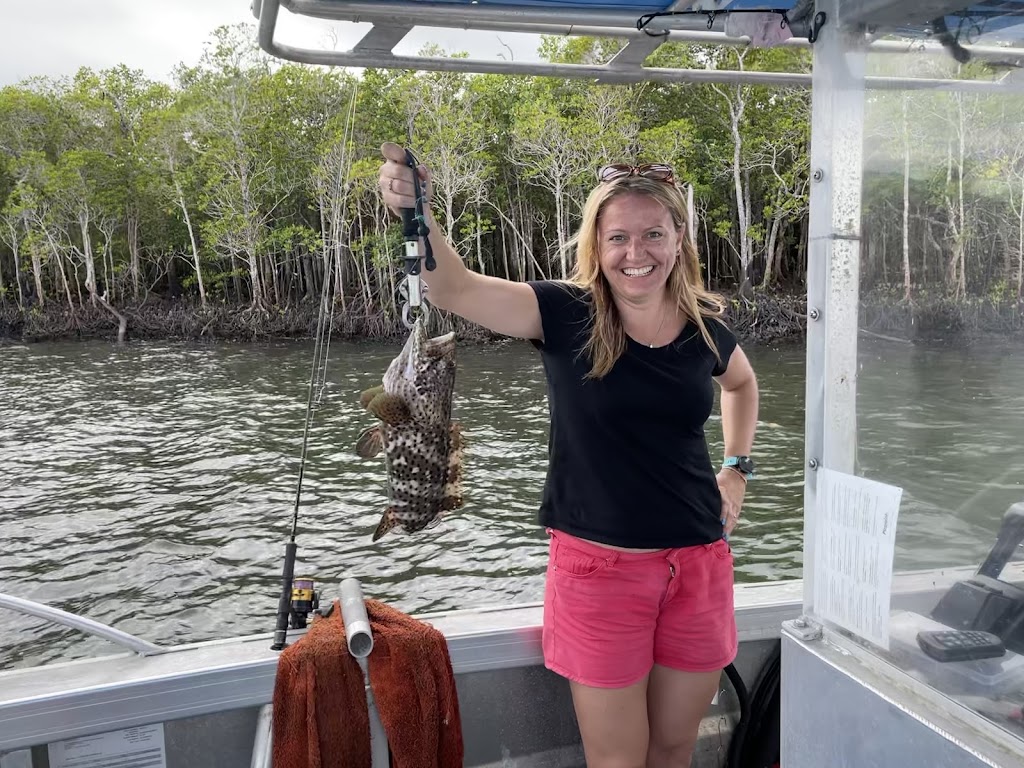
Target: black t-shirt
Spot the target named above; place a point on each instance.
(628, 459)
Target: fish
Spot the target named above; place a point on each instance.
(422, 446)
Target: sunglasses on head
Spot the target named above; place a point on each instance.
(653, 171)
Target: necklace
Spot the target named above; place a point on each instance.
(657, 332)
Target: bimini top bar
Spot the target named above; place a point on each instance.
(923, 26)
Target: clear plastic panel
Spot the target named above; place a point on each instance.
(940, 375)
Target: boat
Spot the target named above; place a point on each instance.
(843, 698)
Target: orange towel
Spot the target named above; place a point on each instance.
(320, 711)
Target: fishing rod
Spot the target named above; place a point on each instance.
(298, 596)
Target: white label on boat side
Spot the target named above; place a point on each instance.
(141, 747)
(854, 544)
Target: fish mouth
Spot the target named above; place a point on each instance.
(440, 346)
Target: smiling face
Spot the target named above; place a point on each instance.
(638, 245)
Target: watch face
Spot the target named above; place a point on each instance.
(746, 464)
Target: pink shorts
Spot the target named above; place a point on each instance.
(609, 615)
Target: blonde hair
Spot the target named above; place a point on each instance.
(607, 336)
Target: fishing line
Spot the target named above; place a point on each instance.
(296, 603)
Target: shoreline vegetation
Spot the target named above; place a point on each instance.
(761, 320)
(218, 204)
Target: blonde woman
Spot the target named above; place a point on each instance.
(638, 605)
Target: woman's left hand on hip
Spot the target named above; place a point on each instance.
(733, 488)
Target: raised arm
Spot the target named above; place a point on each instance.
(503, 306)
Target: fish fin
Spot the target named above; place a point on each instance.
(370, 443)
(387, 522)
(457, 436)
(390, 409)
(367, 395)
(452, 498)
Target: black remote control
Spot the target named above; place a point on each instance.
(960, 644)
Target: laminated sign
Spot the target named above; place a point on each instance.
(141, 747)
(854, 545)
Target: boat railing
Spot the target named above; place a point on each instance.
(80, 623)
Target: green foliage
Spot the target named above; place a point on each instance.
(269, 170)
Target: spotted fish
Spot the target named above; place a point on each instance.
(422, 446)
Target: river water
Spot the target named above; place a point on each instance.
(151, 486)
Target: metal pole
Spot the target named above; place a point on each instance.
(360, 644)
(263, 745)
(458, 15)
(81, 623)
(357, 624)
(833, 265)
(575, 21)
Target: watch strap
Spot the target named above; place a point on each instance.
(733, 462)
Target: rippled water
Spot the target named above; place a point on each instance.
(151, 487)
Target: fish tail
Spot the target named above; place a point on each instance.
(387, 522)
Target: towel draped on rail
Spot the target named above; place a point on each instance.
(320, 713)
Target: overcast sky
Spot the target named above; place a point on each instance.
(56, 37)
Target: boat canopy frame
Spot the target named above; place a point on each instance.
(392, 20)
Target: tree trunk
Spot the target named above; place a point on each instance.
(1020, 244)
(736, 110)
(275, 277)
(197, 268)
(64, 280)
(236, 281)
(307, 271)
(87, 255)
(37, 274)
(923, 274)
(17, 282)
(122, 321)
(132, 230)
(559, 218)
(769, 255)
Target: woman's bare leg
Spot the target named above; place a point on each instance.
(676, 704)
(613, 724)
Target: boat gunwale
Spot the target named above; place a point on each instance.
(85, 696)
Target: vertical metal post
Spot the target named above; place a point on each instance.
(360, 644)
(263, 744)
(833, 264)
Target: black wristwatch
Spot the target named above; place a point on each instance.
(742, 464)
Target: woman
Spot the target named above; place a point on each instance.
(638, 606)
